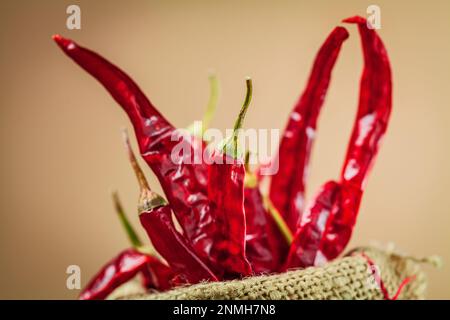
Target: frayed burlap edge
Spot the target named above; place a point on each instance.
(349, 277)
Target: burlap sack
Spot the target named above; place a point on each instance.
(350, 277)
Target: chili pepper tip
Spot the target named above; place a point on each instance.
(60, 41)
(355, 19)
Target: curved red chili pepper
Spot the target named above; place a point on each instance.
(115, 273)
(336, 217)
(156, 218)
(288, 184)
(184, 184)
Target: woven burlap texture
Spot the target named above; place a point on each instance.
(349, 277)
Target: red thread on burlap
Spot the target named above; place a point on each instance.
(378, 279)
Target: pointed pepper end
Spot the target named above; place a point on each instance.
(63, 43)
(355, 19)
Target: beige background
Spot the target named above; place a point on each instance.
(60, 140)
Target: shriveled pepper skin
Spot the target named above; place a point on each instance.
(184, 184)
(287, 189)
(173, 247)
(226, 192)
(304, 249)
(261, 250)
(116, 272)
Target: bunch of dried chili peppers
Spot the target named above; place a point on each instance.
(229, 229)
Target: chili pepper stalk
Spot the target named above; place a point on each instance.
(126, 224)
(279, 221)
(156, 218)
(210, 108)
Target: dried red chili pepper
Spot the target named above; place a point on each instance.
(156, 218)
(226, 192)
(287, 187)
(115, 273)
(260, 239)
(127, 265)
(327, 225)
(183, 183)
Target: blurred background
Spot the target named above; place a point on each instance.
(59, 130)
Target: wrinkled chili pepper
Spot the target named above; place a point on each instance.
(116, 272)
(327, 225)
(156, 218)
(226, 192)
(287, 189)
(260, 239)
(127, 265)
(374, 109)
(184, 182)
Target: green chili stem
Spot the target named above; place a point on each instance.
(231, 147)
(282, 225)
(212, 103)
(210, 108)
(131, 233)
